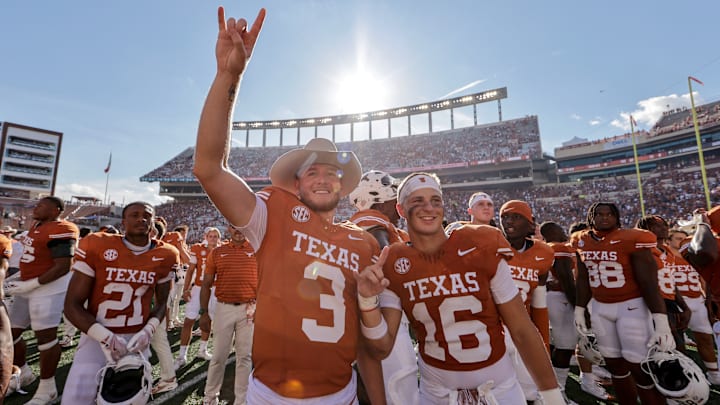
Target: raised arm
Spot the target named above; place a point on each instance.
(230, 194)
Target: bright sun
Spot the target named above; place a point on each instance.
(360, 91)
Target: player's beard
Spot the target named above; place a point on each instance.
(324, 206)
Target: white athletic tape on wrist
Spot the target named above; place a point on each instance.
(375, 332)
(661, 323)
(368, 303)
(98, 332)
(552, 396)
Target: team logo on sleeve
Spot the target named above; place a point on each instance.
(300, 213)
(110, 255)
(402, 265)
(203, 253)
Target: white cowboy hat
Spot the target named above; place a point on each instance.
(7, 229)
(290, 165)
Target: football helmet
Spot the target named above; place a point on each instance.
(587, 344)
(374, 187)
(676, 376)
(127, 382)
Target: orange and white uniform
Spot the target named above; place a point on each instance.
(307, 318)
(527, 268)
(124, 284)
(37, 258)
(369, 219)
(451, 300)
(620, 318)
(199, 254)
(689, 284)
(400, 366)
(42, 307)
(560, 310)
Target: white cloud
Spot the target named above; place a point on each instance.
(576, 117)
(594, 122)
(120, 191)
(463, 88)
(650, 110)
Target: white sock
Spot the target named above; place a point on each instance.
(588, 378)
(183, 351)
(203, 345)
(47, 385)
(25, 369)
(562, 375)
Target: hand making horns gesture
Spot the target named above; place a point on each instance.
(371, 281)
(235, 43)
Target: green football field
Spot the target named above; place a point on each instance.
(191, 377)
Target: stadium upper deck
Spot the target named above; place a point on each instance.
(670, 140)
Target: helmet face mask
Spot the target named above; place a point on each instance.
(375, 187)
(127, 382)
(676, 376)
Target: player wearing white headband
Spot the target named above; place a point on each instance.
(457, 292)
(481, 210)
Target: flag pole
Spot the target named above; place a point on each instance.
(637, 166)
(107, 178)
(699, 142)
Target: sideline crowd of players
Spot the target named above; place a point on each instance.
(497, 308)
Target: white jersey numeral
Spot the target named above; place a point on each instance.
(453, 330)
(334, 303)
(606, 273)
(130, 296)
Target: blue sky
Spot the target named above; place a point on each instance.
(130, 77)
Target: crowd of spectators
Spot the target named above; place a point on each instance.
(669, 191)
(681, 118)
(506, 140)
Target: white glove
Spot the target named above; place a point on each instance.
(662, 336)
(19, 287)
(114, 347)
(552, 397)
(141, 340)
(580, 323)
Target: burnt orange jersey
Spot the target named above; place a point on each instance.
(369, 219)
(687, 279)
(447, 297)
(307, 318)
(5, 247)
(124, 281)
(235, 271)
(561, 251)
(665, 264)
(176, 239)
(37, 258)
(528, 266)
(199, 253)
(608, 262)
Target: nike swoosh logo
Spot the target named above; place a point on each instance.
(224, 254)
(538, 259)
(612, 242)
(632, 308)
(157, 259)
(353, 237)
(462, 253)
